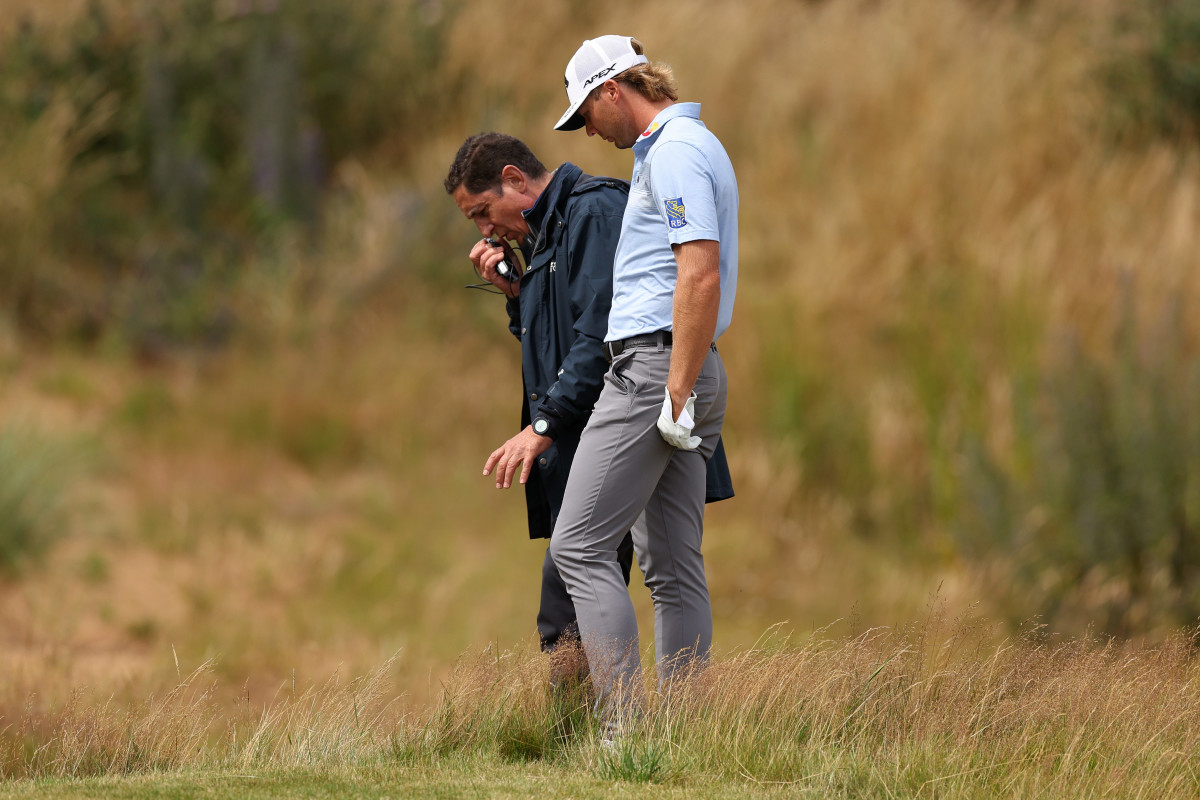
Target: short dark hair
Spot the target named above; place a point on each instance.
(482, 157)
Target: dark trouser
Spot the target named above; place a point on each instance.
(556, 620)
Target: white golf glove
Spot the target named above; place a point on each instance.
(678, 433)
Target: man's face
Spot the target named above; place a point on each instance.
(603, 117)
(495, 213)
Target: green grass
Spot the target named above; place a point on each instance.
(448, 778)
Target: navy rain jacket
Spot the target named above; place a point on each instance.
(560, 317)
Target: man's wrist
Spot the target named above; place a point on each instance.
(550, 418)
(678, 392)
(545, 426)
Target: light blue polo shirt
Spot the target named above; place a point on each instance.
(683, 190)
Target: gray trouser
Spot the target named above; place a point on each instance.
(623, 467)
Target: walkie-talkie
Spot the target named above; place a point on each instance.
(503, 267)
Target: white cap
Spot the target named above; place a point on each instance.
(594, 62)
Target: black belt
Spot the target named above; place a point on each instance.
(614, 349)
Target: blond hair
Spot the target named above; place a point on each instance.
(654, 81)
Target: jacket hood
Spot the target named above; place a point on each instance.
(568, 181)
(551, 201)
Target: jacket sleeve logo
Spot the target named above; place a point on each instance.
(676, 216)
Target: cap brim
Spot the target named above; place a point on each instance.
(571, 121)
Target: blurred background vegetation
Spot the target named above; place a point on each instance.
(246, 400)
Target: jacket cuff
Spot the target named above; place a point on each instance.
(554, 416)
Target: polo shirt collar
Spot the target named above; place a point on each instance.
(656, 125)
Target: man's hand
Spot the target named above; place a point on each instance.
(676, 429)
(485, 257)
(520, 449)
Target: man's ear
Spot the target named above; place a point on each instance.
(514, 177)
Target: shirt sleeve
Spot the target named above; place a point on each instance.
(682, 182)
(592, 244)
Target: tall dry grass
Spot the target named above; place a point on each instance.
(935, 707)
(90, 735)
(1069, 719)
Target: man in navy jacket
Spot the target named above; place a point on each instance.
(566, 225)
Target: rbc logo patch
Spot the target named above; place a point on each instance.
(676, 216)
